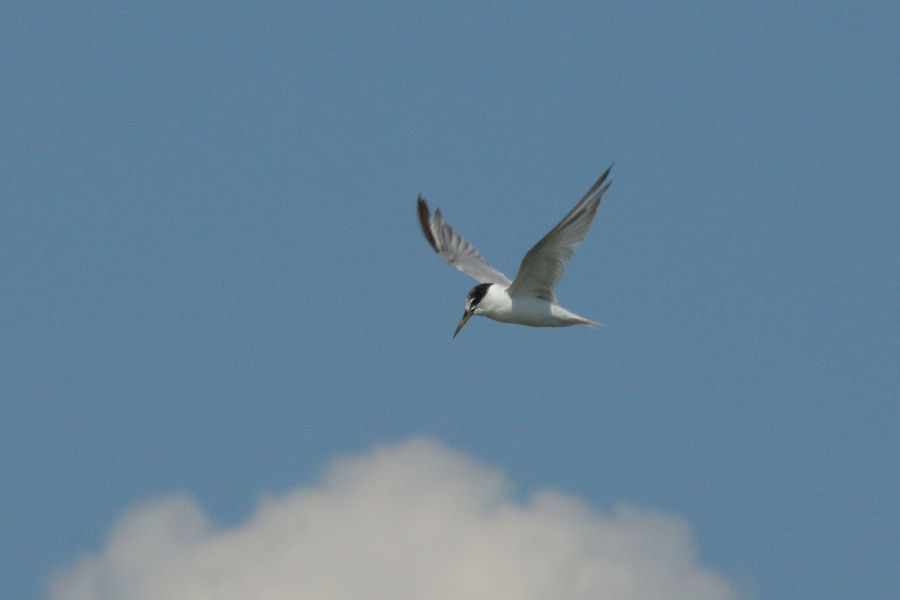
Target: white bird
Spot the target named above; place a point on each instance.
(529, 298)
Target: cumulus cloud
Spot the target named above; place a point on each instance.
(415, 520)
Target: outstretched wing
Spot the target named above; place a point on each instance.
(454, 249)
(542, 267)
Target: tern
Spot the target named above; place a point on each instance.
(528, 299)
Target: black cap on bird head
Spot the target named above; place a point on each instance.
(475, 296)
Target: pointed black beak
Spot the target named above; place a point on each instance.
(462, 322)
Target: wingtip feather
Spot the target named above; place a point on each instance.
(425, 222)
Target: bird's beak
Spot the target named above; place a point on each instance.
(462, 322)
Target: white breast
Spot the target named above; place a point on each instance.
(498, 305)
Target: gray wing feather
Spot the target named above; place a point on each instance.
(451, 246)
(542, 267)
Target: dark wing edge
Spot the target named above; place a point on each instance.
(594, 187)
(425, 223)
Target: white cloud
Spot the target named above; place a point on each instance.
(410, 521)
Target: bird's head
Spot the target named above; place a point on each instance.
(472, 301)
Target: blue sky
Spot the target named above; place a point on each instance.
(215, 283)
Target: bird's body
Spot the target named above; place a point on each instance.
(529, 298)
(499, 305)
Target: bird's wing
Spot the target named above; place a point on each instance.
(454, 249)
(542, 267)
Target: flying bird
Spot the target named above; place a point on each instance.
(528, 299)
